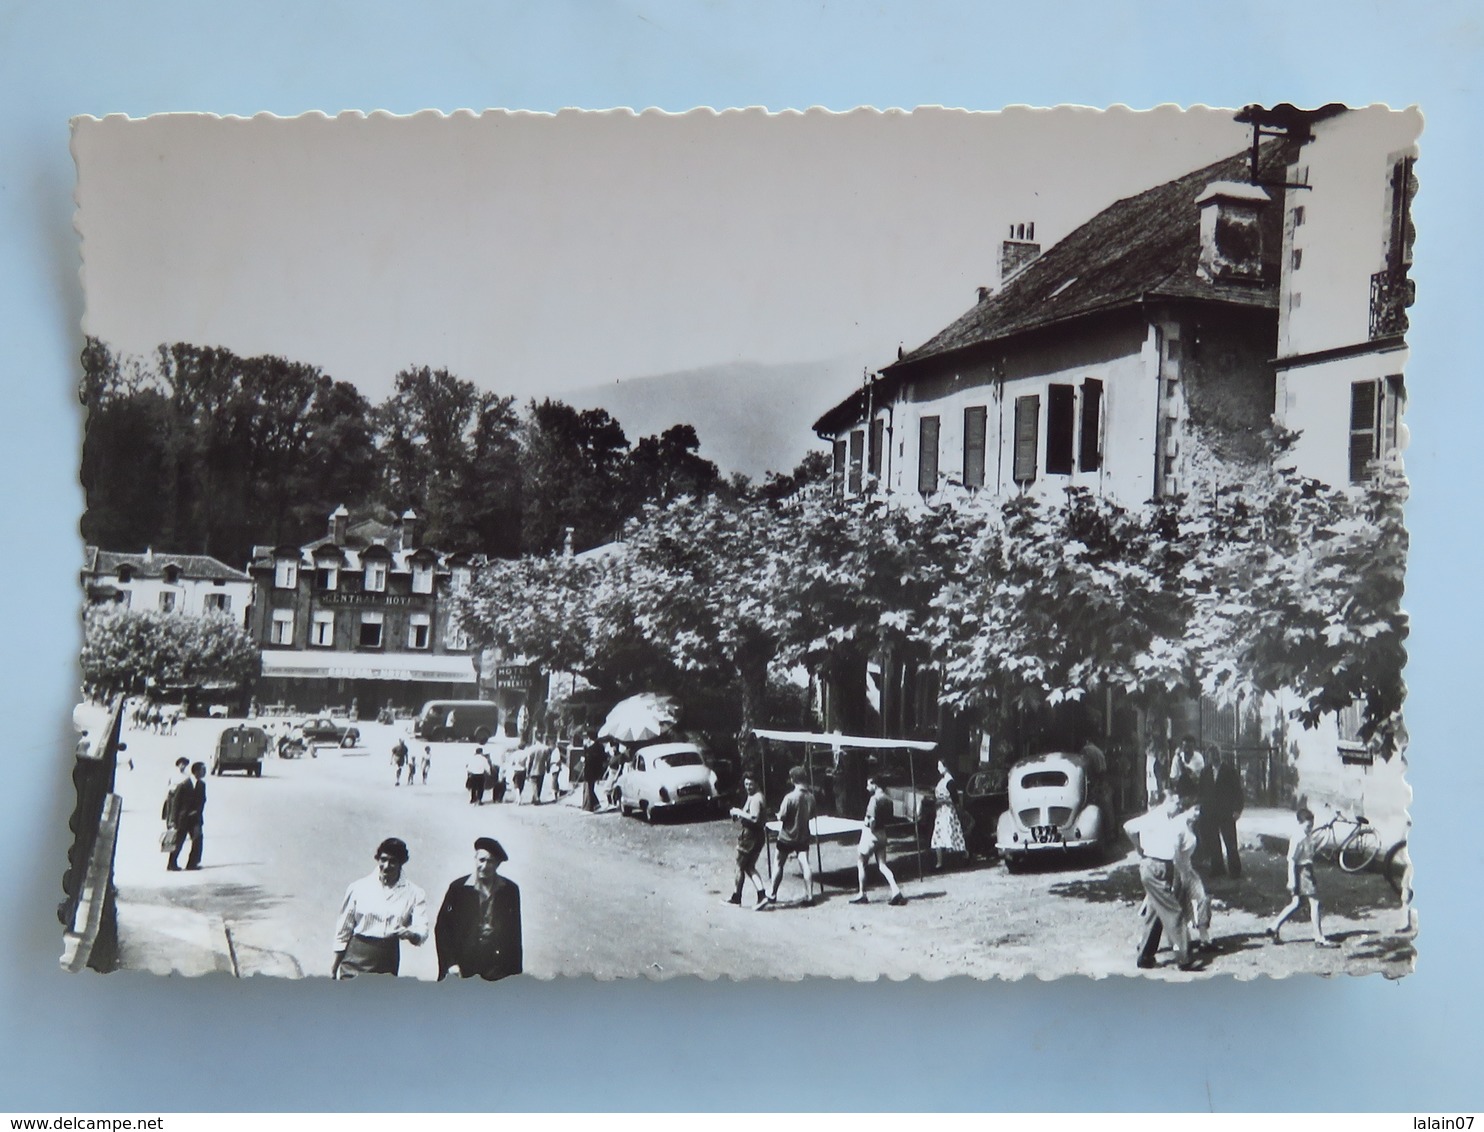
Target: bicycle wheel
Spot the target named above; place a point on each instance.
(1360, 849)
(1324, 845)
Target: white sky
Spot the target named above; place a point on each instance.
(538, 254)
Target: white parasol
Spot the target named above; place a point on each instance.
(639, 718)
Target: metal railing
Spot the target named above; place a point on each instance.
(1391, 294)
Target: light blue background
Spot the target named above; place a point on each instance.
(128, 1042)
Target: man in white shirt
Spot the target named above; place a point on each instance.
(379, 911)
(1162, 835)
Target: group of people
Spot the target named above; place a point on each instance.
(405, 759)
(477, 931)
(529, 766)
(1193, 831)
(796, 813)
(183, 813)
(154, 718)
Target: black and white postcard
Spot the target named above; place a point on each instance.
(745, 545)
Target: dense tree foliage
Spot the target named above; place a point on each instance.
(198, 450)
(126, 650)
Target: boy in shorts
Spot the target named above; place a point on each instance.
(795, 813)
(1301, 880)
(873, 844)
(750, 836)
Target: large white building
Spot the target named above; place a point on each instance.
(1347, 253)
(187, 584)
(1123, 360)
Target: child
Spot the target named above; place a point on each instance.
(873, 844)
(1301, 880)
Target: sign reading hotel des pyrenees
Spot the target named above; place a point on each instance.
(975, 486)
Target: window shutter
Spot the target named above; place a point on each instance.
(1061, 403)
(1090, 452)
(1362, 429)
(1027, 420)
(927, 455)
(839, 468)
(975, 421)
(857, 459)
(878, 439)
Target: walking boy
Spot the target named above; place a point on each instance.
(873, 844)
(1301, 880)
(794, 815)
(750, 837)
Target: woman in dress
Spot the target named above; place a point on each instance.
(948, 830)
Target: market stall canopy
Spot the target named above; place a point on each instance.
(452, 669)
(837, 741)
(639, 718)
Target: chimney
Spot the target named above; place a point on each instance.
(339, 518)
(985, 293)
(409, 529)
(1017, 251)
(1231, 232)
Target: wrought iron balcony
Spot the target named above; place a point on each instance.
(1391, 294)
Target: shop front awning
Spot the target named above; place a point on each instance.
(458, 669)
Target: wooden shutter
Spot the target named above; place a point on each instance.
(1090, 447)
(927, 455)
(1363, 409)
(857, 459)
(975, 421)
(878, 441)
(838, 470)
(1061, 422)
(1027, 422)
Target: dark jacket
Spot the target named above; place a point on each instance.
(458, 937)
(1226, 792)
(187, 803)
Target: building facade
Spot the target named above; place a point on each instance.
(360, 618)
(1147, 354)
(1126, 359)
(1346, 287)
(193, 585)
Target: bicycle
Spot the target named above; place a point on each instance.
(1354, 851)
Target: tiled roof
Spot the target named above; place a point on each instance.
(191, 566)
(1142, 247)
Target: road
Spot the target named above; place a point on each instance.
(616, 897)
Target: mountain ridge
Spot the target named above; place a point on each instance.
(751, 417)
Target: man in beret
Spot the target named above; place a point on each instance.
(379, 911)
(478, 930)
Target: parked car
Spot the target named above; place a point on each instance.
(325, 730)
(982, 806)
(240, 748)
(457, 721)
(666, 776)
(1055, 809)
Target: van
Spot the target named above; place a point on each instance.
(457, 721)
(240, 748)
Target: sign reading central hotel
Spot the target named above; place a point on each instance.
(362, 598)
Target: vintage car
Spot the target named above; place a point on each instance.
(319, 731)
(665, 776)
(1056, 808)
(240, 748)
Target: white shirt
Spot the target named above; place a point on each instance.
(375, 911)
(1162, 836)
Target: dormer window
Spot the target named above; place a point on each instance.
(126, 574)
(376, 577)
(422, 577)
(285, 574)
(172, 575)
(462, 576)
(327, 577)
